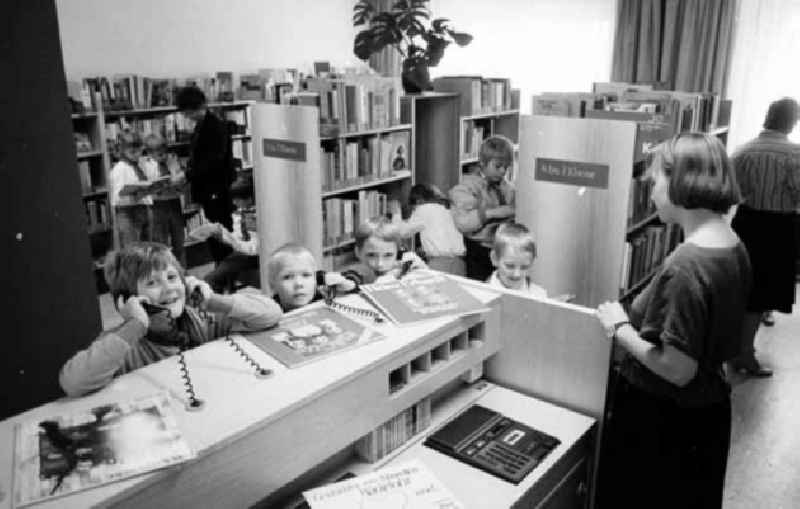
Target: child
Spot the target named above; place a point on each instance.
(512, 254)
(242, 264)
(131, 210)
(441, 241)
(377, 246)
(150, 291)
(481, 201)
(168, 224)
(292, 277)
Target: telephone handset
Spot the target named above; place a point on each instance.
(329, 294)
(404, 266)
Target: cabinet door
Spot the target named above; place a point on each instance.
(571, 492)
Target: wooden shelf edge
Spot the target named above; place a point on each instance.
(639, 284)
(86, 114)
(405, 174)
(89, 154)
(368, 132)
(173, 108)
(339, 245)
(642, 223)
(501, 113)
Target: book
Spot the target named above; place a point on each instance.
(312, 333)
(423, 295)
(72, 452)
(151, 187)
(397, 486)
(399, 150)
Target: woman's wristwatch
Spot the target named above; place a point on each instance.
(617, 326)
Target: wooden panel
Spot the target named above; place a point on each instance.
(580, 231)
(436, 140)
(288, 192)
(46, 264)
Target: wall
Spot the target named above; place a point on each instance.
(183, 37)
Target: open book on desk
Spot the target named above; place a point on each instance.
(160, 185)
(421, 296)
(76, 451)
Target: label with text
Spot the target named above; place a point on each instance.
(284, 149)
(573, 173)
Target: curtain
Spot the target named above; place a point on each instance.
(765, 65)
(684, 44)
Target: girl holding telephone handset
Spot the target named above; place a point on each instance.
(161, 308)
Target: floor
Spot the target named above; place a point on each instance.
(764, 460)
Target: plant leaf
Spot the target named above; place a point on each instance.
(436, 47)
(460, 38)
(362, 12)
(365, 45)
(439, 24)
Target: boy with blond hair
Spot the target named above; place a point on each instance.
(512, 255)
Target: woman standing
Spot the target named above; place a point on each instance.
(669, 431)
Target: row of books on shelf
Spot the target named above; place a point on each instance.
(194, 221)
(364, 160)
(97, 214)
(242, 149)
(640, 206)
(395, 432)
(341, 216)
(88, 184)
(478, 94)
(684, 111)
(646, 251)
(472, 136)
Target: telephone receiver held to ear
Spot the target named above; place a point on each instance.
(404, 266)
(328, 292)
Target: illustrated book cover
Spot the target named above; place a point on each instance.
(312, 334)
(72, 452)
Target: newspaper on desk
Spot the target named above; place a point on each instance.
(67, 453)
(404, 486)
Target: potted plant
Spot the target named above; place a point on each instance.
(408, 27)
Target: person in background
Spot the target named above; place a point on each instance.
(292, 273)
(211, 171)
(168, 223)
(667, 438)
(131, 210)
(379, 254)
(150, 291)
(441, 241)
(512, 255)
(768, 172)
(482, 201)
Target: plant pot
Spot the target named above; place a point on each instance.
(415, 77)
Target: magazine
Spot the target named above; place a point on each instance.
(403, 486)
(68, 453)
(422, 297)
(311, 334)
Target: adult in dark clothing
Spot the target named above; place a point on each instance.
(768, 173)
(666, 442)
(211, 171)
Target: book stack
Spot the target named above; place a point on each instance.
(478, 95)
(639, 204)
(97, 215)
(341, 216)
(646, 251)
(395, 432)
(471, 138)
(193, 222)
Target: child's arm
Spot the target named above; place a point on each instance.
(95, 367)
(245, 311)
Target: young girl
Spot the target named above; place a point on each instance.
(130, 210)
(292, 277)
(150, 291)
(377, 248)
(441, 241)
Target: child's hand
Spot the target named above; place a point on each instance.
(501, 212)
(192, 284)
(416, 261)
(611, 313)
(131, 309)
(341, 283)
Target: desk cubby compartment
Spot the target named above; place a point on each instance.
(458, 344)
(476, 335)
(440, 354)
(398, 378)
(421, 365)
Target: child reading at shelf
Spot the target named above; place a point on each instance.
(242, 264)
(441, 241)
(131, 207)
(377, 248)
(482, 201)
(168, 224)
(512, 255)
(150, 291)
(292, 277)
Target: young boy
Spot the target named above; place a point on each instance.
(168, 224)
(512, 255)
(150, 291)
(292, 277)
(483, 200)
(377, 245)
(131, 210)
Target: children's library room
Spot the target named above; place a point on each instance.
(318, 254)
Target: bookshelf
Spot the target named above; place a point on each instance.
(601, 247)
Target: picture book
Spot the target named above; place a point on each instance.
(67, 453)
(399, 150)
(151, 187)
(421, 296)
(311, 334)
(402, 486)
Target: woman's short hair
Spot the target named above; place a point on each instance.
(497, 147)
(513, 236)
(781, 115)
(277, 259)
(700, 173)
(379, 227)
(127, 266)
(190, 98)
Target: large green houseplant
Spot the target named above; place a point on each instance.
(407, 26)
